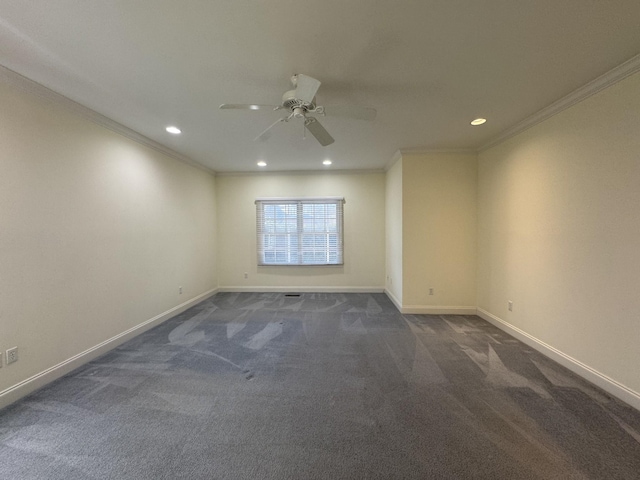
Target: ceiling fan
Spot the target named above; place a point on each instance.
(300, 102)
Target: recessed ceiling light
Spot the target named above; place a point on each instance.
(174, 130)
(326, 162)
(478, 121)
(262, 163)
(254, 107)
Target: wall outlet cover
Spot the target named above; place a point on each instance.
(12, 355)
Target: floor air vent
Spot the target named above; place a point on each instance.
(291, 294)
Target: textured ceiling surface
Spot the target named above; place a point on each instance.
(428, 67)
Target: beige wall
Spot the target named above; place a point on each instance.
(393, 232)
(97, 233)
(364, 210)
(439, 231)
(559, 232)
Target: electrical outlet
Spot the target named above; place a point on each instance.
(246, 275)
(180, 290)
(431, 291)
(510, 305)
(12, 355)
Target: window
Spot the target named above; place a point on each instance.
(299, 231)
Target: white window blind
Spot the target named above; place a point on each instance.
(299, 231)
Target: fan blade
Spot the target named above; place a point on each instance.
(267, 133)
(318, 131)
(306, 88)
(351, 111)
(239, 106)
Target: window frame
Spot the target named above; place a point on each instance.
(295, 254)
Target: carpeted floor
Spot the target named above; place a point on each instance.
(321, 386)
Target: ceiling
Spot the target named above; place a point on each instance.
(429, 67)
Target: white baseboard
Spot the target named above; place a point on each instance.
(437, 310)
(393, 299)
(429, 309)
(39, 380)
(607, 384)
(19, 390)
(298, 289)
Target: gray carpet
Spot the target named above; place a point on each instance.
(326, 386)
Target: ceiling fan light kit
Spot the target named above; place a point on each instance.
(301, 102)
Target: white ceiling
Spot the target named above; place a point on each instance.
(429, 67)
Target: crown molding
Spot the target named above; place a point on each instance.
(427, 151)
(610, 78)
(602, 82)
(39, 90)
(396, 156)
(300, 172)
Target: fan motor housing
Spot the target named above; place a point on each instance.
(290, 102)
